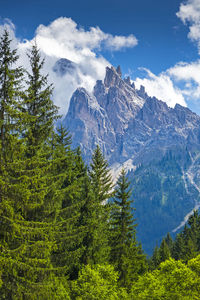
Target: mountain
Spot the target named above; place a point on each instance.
(158, 145)
(64, 66)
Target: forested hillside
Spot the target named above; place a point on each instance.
(163, 191)
(66, 231)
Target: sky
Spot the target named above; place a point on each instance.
(156, 43)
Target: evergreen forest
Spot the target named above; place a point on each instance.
(66, 230)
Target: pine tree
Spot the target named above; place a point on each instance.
(155, 259)
(11, 118)
(102, 186)
(194, 229)
(178, 247)
(67, 194)
(169, 241)
(80, 165)
(100, 177)
(38, 104)
(125, 253)
(10, 111)
(89, 221)
(164, 251)
(28, 272)
(10, 90)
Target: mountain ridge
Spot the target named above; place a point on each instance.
(136, 130)
(116, 105)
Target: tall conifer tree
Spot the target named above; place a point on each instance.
(38, 103)
(126, 255)
(68, 200)
(10, 111)
(10, 90)
(28, 272)
(102, 186)
(89, 221)
(11, 118)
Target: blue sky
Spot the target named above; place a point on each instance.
(155, 42)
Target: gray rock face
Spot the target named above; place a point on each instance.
(89, 124)
(104, 115)
(127, 123)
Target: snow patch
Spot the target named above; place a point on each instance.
(117, 167)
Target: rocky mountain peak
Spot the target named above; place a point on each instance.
(81, 104)
(142, 92)
(119, 71)
(129, 118)
(111, 106)
(112, 77)
(99, 88)
(128, 81)
(64, 66)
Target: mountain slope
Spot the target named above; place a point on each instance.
(159, 146)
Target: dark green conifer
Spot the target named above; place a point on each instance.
(28, 272)
(100, 177)
(155, 259)
(38, 103)
(164, 251)
(126, 255)
(68, 171)
(10, 152)
(178, 247)
(102, 187)
(169, 241)
(89, 221)
(10, 92)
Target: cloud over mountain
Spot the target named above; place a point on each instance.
(162, 87)
(181, 82)
(63, 38)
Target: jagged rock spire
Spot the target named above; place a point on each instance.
(127, 80)
(119, 71)
(112, 77)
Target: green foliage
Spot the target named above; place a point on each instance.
(26, 228)
(164, 251)
(101, 186)
(100, 177)
(186, 244)
(125, 254)
(10, 85)
(89, 219)
(38, 104)
(66, 194)
(173, 280)
(98, 282)
(155, 259)
(184, 247)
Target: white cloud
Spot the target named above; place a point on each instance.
(180, 83)
(189, 13)
(186, 71)
(162, 87)
(64, 39)
(119, 42)
(188, 74)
